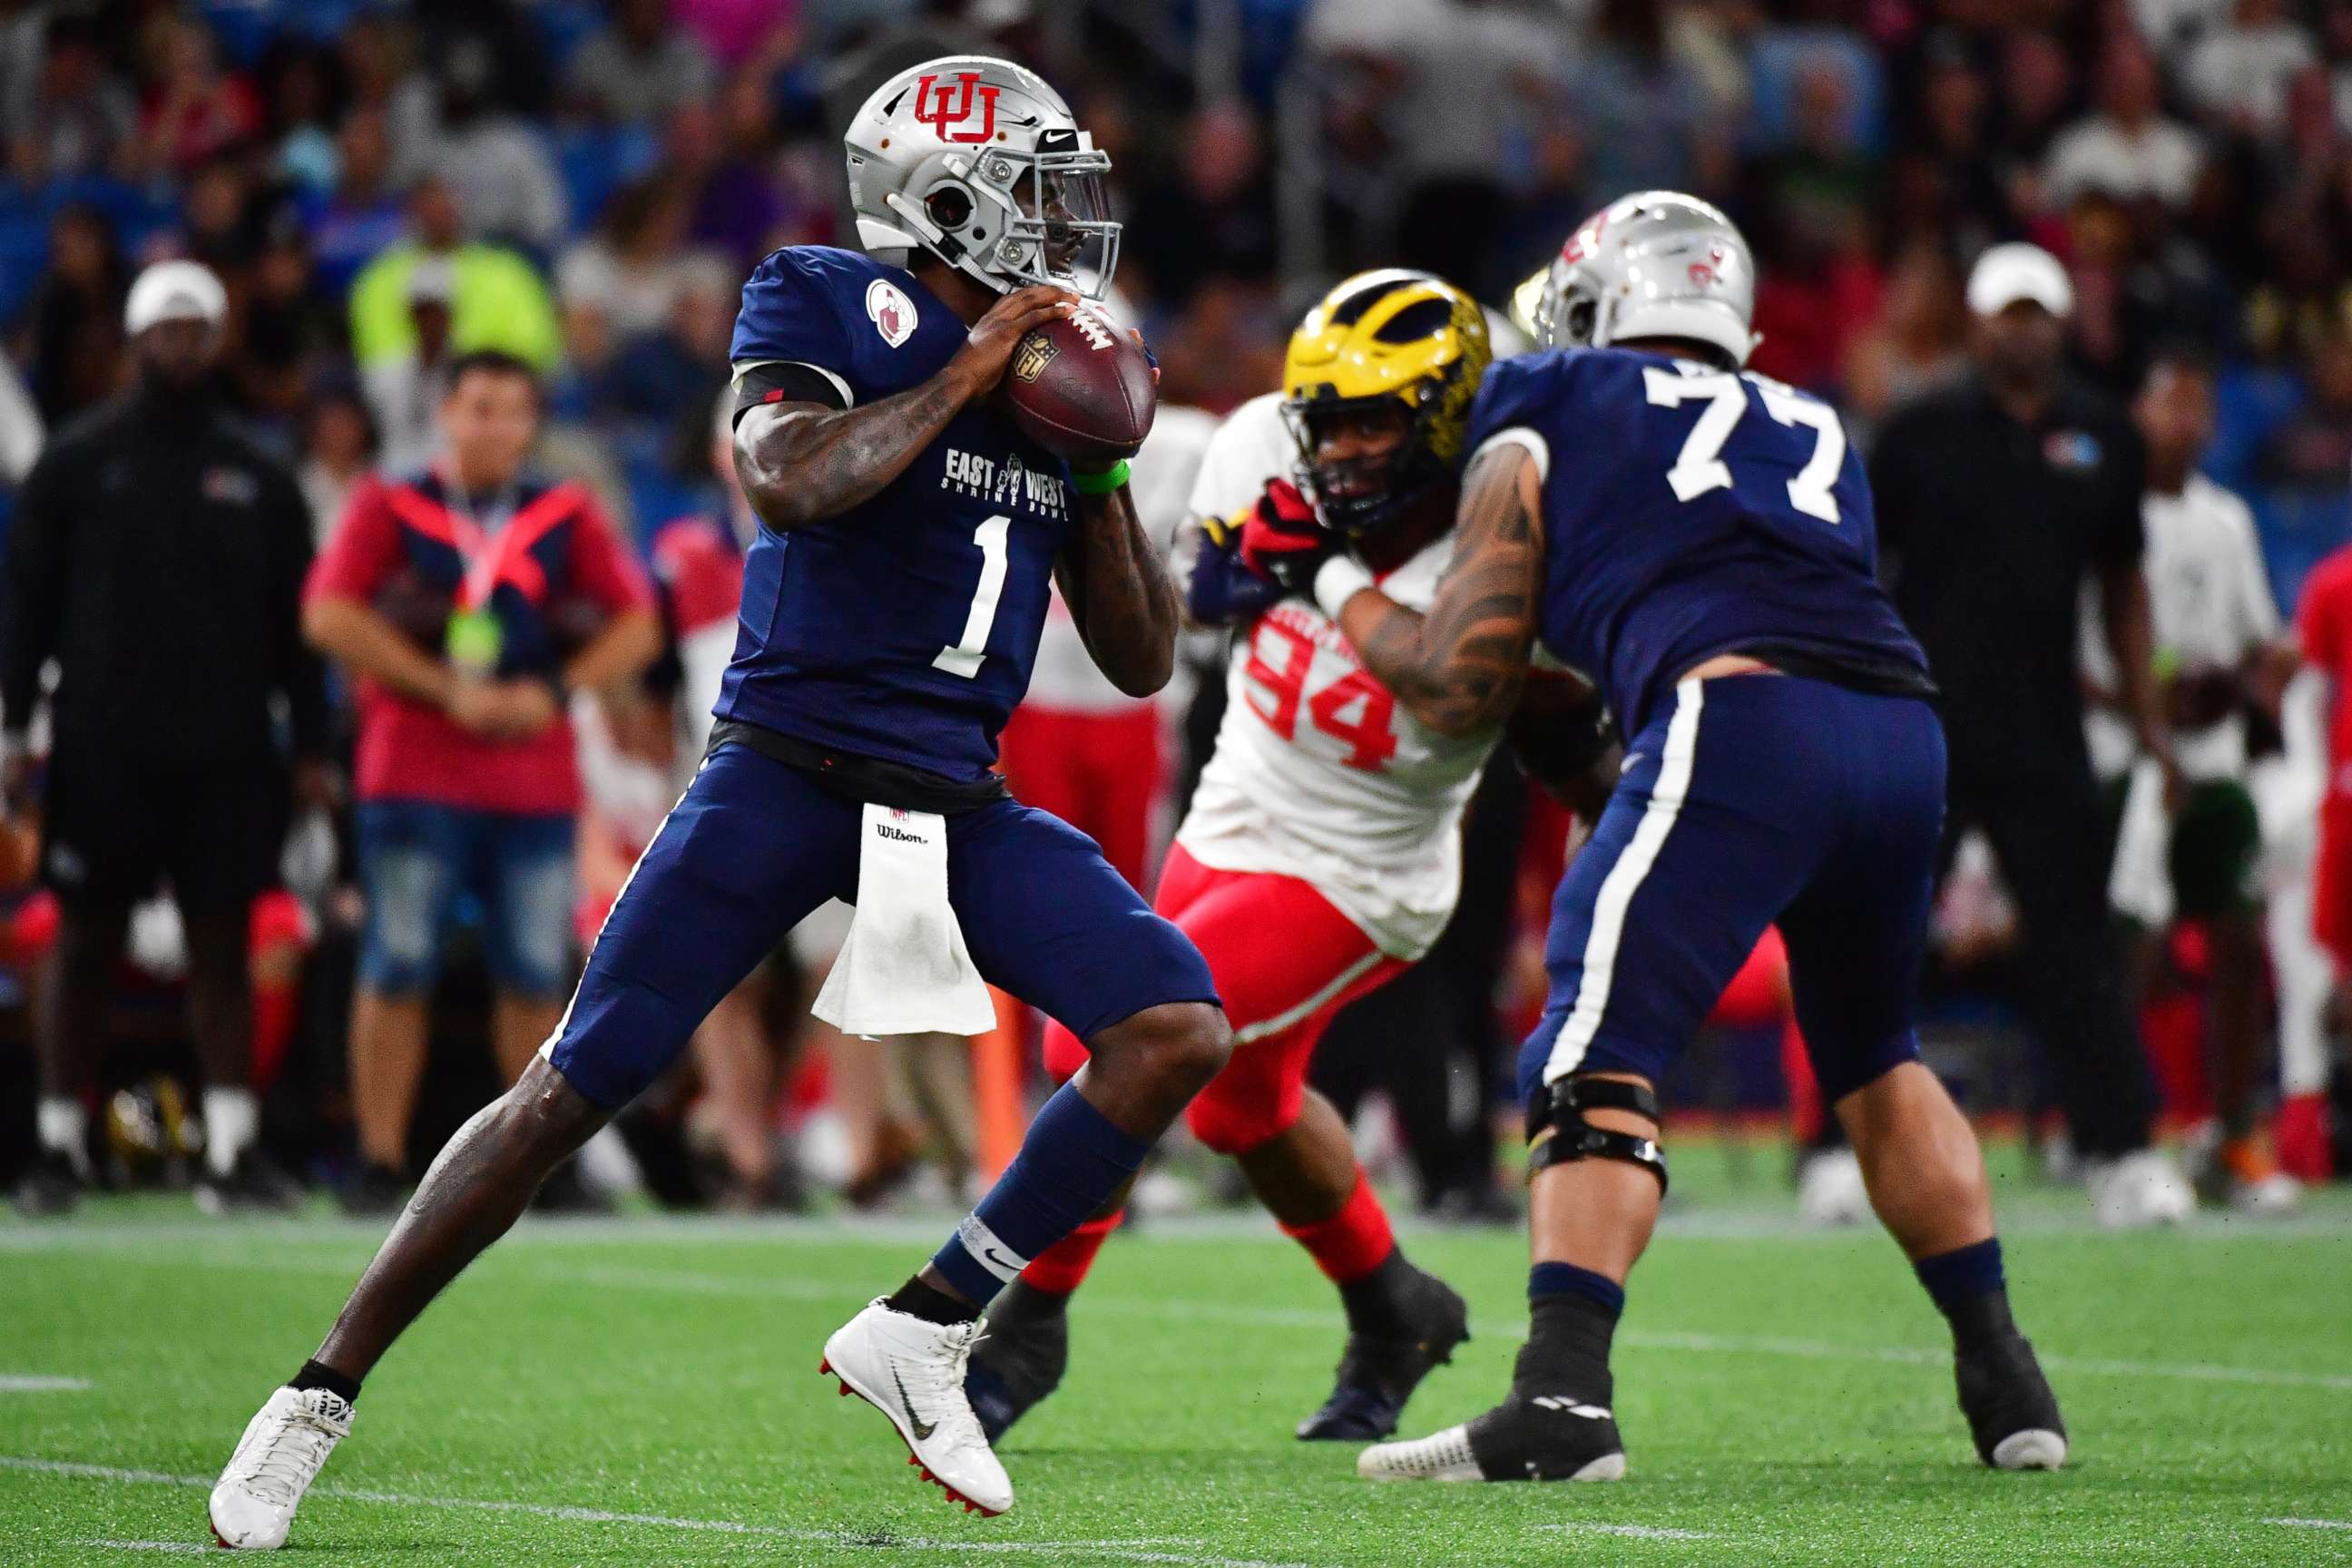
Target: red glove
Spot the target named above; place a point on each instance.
(1282, 542)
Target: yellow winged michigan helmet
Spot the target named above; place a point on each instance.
(1392, 341)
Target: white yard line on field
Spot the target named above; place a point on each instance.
(1631, 1531)
(534, 1263)
(663, 1280)
(2090, 1367)
(1733, 1223)
(37, 1382)
(2313, 1524)
(1148, 1551)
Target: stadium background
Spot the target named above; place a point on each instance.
(1789, 1390)
(611, 173)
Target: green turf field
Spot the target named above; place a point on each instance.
(647, 1392)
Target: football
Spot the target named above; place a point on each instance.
(1081, 387)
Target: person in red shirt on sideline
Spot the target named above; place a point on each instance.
(469, 600)
(2323, 625)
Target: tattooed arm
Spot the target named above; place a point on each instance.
(1120, 594)
(802, 462)
(1458, 669)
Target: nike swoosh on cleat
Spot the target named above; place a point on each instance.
(923, 1430)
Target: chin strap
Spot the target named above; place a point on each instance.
(1558, 1132)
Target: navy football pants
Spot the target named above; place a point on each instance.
(1749, 800)
(755, 845)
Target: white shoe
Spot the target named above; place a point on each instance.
(2276, 1193)
(1586, 1449)
(253, 1503)
(912, 1371)
(1440, 1457)
(2139, 1190)
(1830, 1190)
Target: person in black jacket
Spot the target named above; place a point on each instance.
(1997, 499)
(157, 558)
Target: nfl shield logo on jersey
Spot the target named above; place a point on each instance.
(892, 313)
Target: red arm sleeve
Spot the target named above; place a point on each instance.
(364, 551)
(602, 568)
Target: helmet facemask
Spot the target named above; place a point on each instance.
(1569, 315)
(1011, 219)
(1360, 497)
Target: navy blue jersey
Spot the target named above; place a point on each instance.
(1689, 512)
(903, 629)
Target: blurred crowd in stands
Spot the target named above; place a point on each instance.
(571, 191)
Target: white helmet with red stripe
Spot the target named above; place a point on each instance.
(980, 162)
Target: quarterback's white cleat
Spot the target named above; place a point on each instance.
(253, 1503)
(1830, 1191)
(2141, 1189)
(912, 1371)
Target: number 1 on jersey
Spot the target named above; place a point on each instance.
(963, 658)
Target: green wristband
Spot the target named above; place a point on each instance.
(1111, 478)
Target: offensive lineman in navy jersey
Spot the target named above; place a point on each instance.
(1701, 541)
(890, 614)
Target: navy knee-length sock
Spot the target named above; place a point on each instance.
(1968, 1287)
(1071, 1163)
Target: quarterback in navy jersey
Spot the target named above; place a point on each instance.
(1698, 539)
(891, 608)
(854, 630)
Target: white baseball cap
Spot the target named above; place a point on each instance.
(2007, 274)
(174, 291)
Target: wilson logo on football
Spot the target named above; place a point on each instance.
(946, 110)
(1035, 353)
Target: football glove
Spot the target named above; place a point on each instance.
(1282, 542)
(1220, 591)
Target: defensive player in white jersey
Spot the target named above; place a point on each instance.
(1321, 855)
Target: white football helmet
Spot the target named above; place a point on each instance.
(980, 162)
(1655, 265)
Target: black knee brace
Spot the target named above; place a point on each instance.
(1558, 1132)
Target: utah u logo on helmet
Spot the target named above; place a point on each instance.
(978, 163)
(943, 106)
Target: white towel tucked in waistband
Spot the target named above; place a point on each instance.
(903, 968)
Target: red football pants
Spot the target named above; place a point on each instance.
(1285, 961)
(2331, 881)
(1101, 772)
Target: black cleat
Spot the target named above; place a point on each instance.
(1378, 1371)
(1021, 1358)
(51, 1184)
(2012, 1413)
(1527, 1438)
(255, 1184)
(372, 1190)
